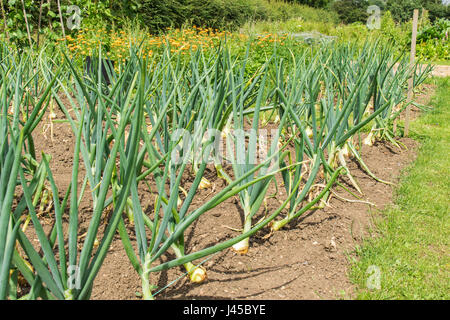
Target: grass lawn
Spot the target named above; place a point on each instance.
(410, 253)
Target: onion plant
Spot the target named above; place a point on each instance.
(348, 111)
(390, 83)
(297, 96)
(164, 229)
(73, 276)
(330, 95)
(243, 147)
(16, 157)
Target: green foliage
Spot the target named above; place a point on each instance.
(402, 9)
(228, 14)
(434, 50)
(93, 14)
(313, 3)
(50, 24)
(282, 11)
(438, 11)
(439, 30)
(15, 19)
(396, 25)
(350, 11)
(225, 14)
(219, 14)
(158, 15)
(432, 40)
(399, 34)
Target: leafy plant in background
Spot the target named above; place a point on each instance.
(16, 22)
(438, 30)
(402, 9)
(17, 158)
(158, 15)
(48, 24)
(394, 32)
(433, 40)
(434, 50)
(351, 11)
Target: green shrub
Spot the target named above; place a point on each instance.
(438, 11)
(351, 11)
(402, 10)
(229, 14)
(157, 15)
(434, 49)
(282, 11)
(313, 3)
(399, 34)
(433, 40)
(438, 30)
(220, 14)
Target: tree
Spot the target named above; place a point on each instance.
(356, 10)
(314, 3)
(351, 11)
(402, 9)
(158, 15)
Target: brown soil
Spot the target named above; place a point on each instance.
(307, 260)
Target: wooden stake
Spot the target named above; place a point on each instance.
(26, 23)
(61, 19)
(50, 18)
(39, 23)
(411, 80)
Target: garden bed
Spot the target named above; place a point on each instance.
(309, 259)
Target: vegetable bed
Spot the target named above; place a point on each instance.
(132, 169)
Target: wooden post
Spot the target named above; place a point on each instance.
(39, 24)
(61, 19)
(411, 80)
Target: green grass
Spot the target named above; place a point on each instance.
(411, 246)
